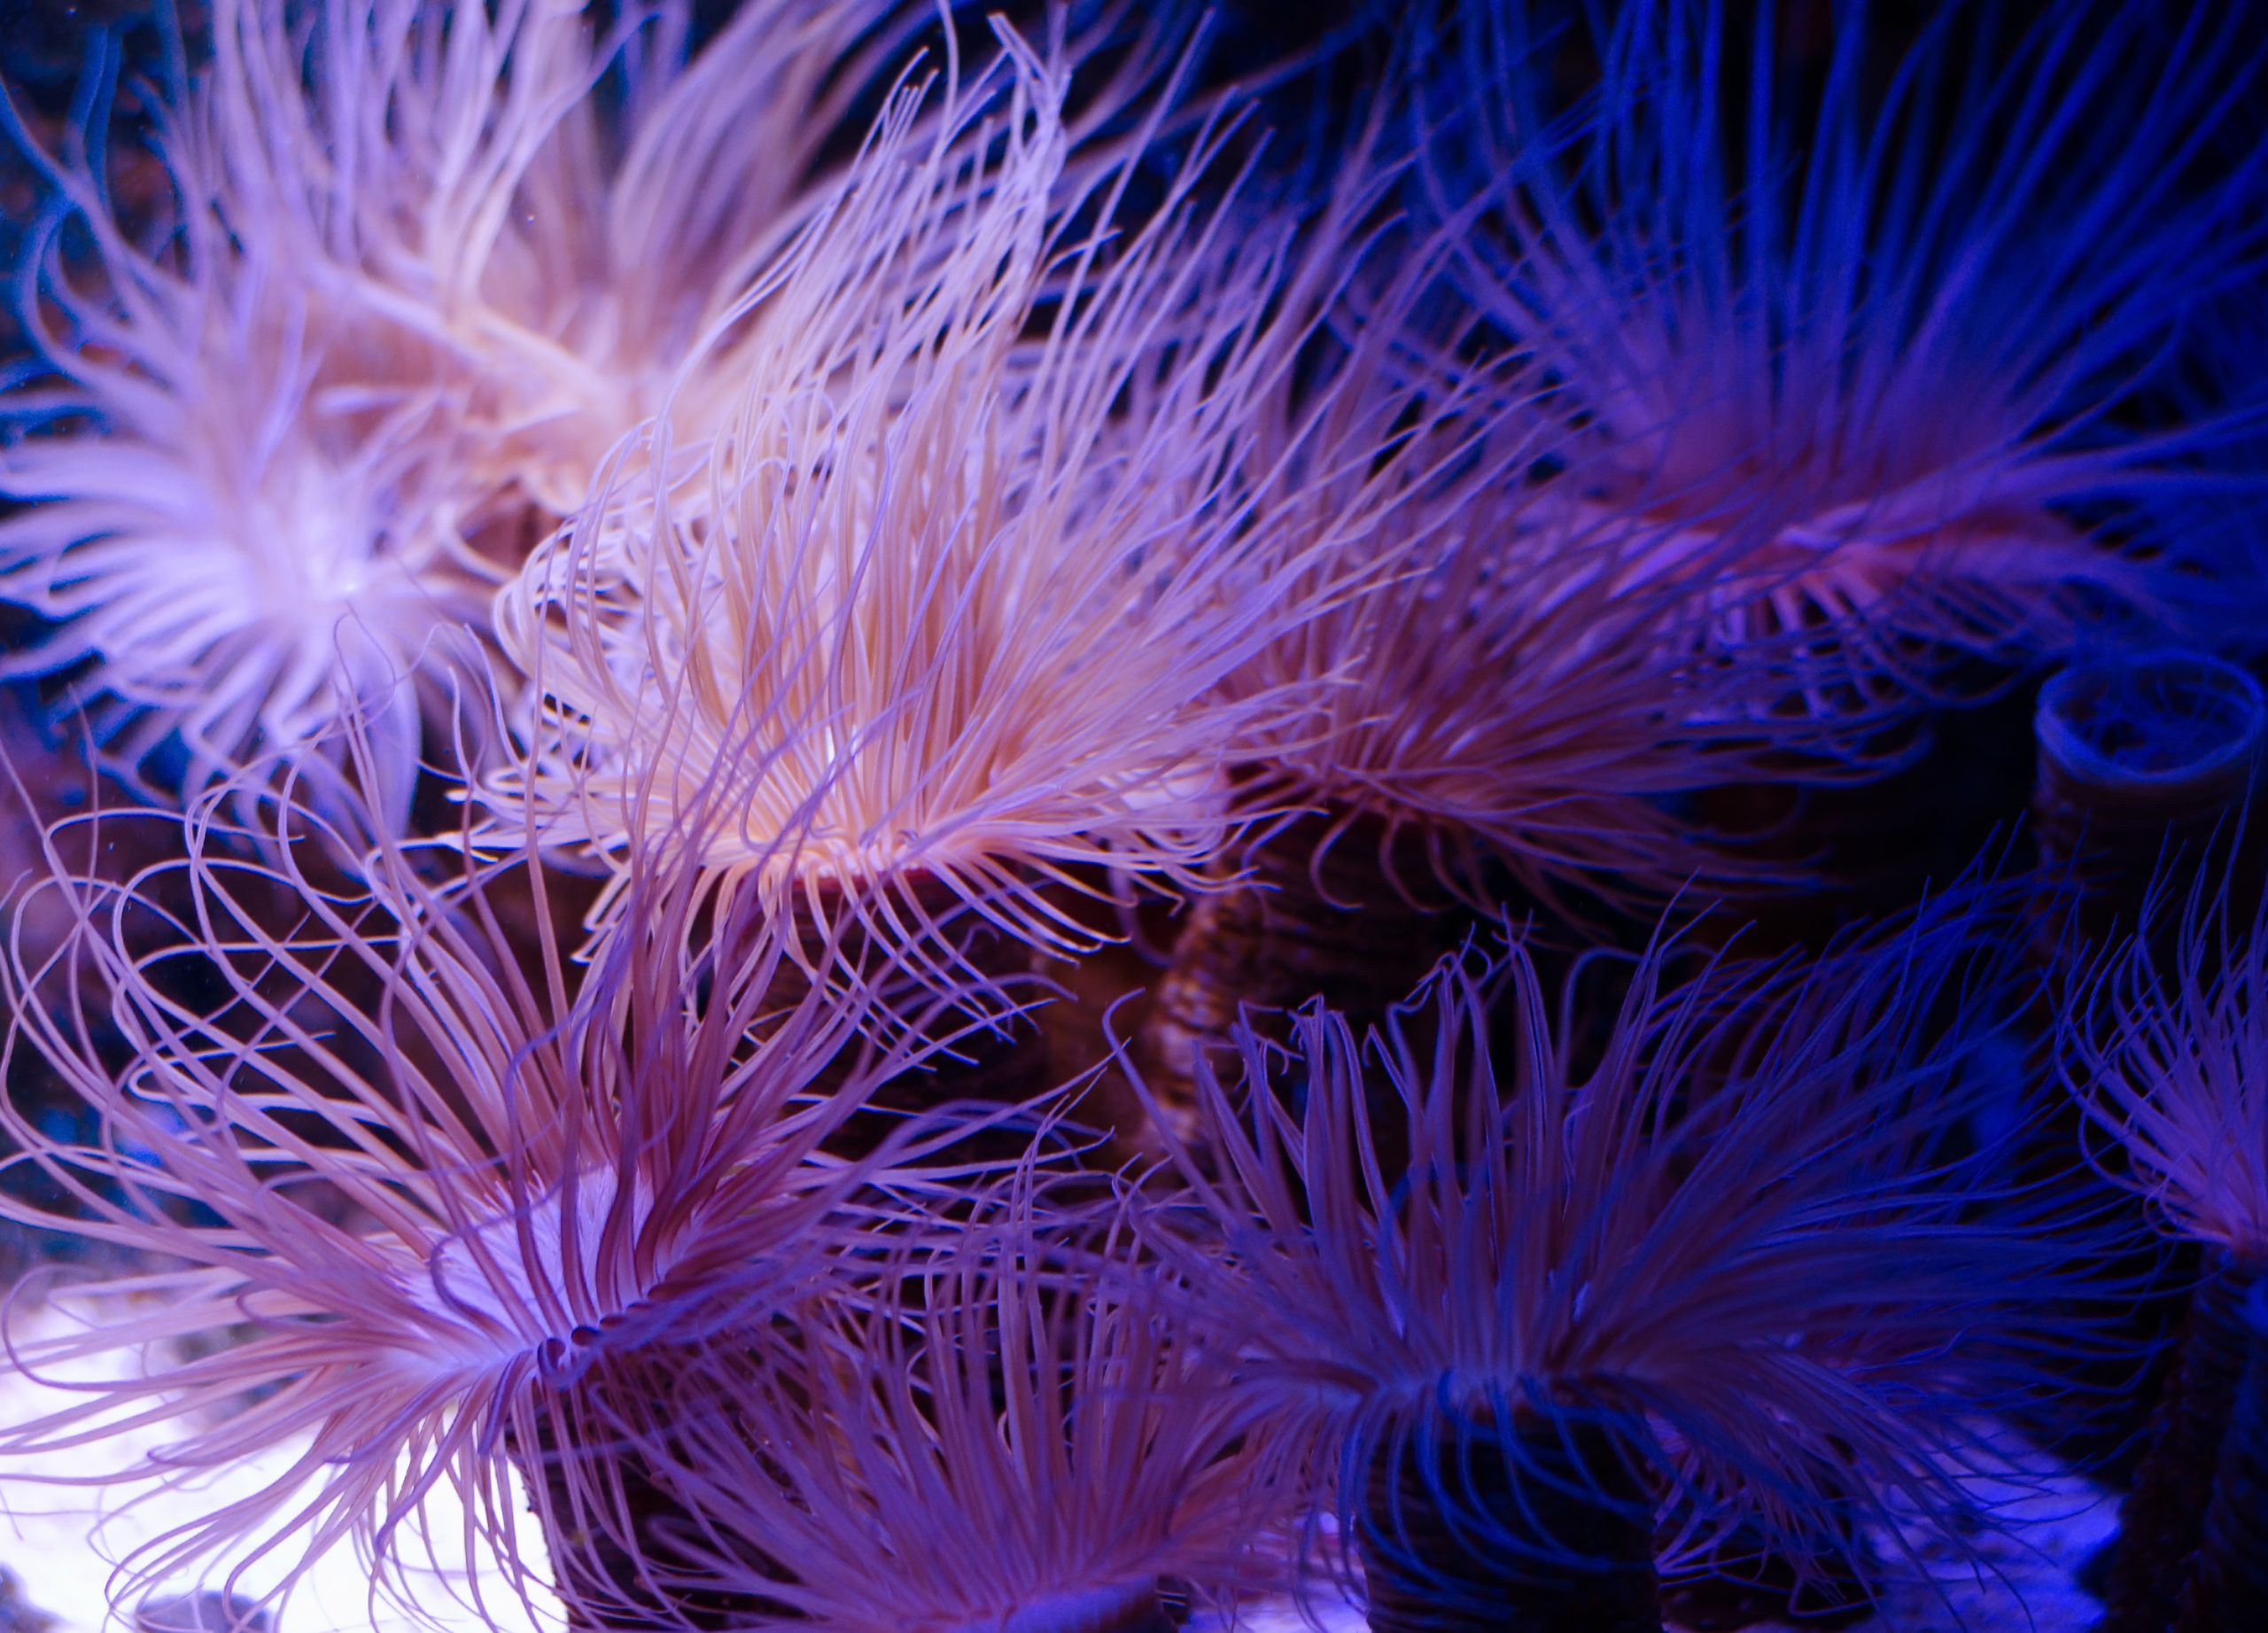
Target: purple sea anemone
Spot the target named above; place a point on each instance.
(419, 1204)
(1008, 1435)
(1729, 1264)
(2167, 1050)
(1885, 314)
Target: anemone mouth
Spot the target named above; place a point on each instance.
(2154, 725)
(519, 1273)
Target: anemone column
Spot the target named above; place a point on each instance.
(2229, 1582)
(1567, 1517)
(1319, 915)
(2167, 1519)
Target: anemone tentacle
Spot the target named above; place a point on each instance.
(973, 555)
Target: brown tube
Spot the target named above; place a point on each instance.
(1574, 1501)
(2162, 1519)
(2141, 758)
(604, 1587)
(1301, 924)
(2227, 1589)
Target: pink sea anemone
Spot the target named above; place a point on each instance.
(568, 215)
(1728, 1263)
(416, 1202)
(416, 277)
(970, 559)
(242, 514)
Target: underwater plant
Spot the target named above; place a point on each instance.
(1746, 1260)
(424, 1204)
(2166, 1050)
(1005, 1432)
(1900, 309)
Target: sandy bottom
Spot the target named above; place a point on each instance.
(62, 1543)
(2021, 1578)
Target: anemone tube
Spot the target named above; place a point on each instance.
(2231, 1576)
(2146, 760)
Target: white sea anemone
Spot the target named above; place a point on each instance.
(418, 274)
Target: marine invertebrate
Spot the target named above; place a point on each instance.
(2145, 758)
(431, 1204)
(1888, 320)
(1731, 1265)
(568, 215)
(240, 514)
(974, 557)
(1006, 1434)
(2167, 1052)
(1507, 710)
(417, 277)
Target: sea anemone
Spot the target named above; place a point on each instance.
(974, 556)
(428, 1202)
(1900, 311)
(1501, 713)
(568, 216)
(1751, 1266)
(2167, 1050)
(419, 276)
(1007, 1435)
(242, 515)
